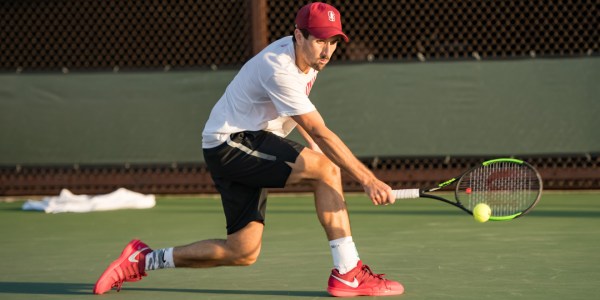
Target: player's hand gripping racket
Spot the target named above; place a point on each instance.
(510, 187)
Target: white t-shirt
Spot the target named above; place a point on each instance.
(263, 95)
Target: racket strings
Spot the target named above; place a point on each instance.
(508, 188)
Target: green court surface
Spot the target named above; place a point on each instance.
(435, 250)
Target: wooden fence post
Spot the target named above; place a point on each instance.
(258, 15)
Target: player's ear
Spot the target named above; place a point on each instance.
(298, 34)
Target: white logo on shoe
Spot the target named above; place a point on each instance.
(353, 284)
(133, 258)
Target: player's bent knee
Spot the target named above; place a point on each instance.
(245, 260)
(328, 170)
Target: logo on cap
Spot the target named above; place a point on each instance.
(331, 16)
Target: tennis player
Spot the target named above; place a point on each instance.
(246, 151)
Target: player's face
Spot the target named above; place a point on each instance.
(314, 52)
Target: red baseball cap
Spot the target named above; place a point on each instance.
(321, 20)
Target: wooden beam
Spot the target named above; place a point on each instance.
(258, 16)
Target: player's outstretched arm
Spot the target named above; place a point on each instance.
(335, 149)
(309, 141)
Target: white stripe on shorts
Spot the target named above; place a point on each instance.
(250, 151)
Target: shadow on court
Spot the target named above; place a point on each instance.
(46, 288)
(59, 288)
(237, 292)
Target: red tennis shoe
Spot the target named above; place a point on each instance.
(361, 281)
(130, 266)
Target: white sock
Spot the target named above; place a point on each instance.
(160, 259)
(345, 255)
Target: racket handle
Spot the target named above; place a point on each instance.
(406, 193)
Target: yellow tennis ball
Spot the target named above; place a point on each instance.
(482, 212)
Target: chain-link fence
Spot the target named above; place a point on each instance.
(105, 35)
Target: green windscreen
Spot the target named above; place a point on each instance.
(536, 106)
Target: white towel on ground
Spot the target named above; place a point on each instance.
(69, 202)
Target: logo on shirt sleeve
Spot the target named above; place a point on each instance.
(309, 85)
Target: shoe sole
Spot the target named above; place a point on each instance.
(353, 293)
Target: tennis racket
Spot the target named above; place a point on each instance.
(510, 187)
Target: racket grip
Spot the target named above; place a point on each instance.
(406, 193)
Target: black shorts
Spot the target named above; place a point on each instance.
(243, 166)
